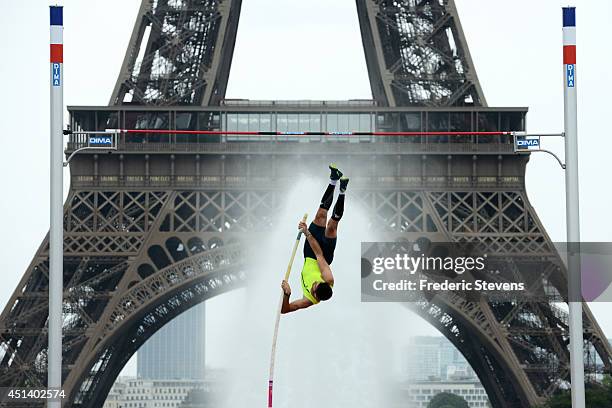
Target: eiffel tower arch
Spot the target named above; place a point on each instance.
(156, 227)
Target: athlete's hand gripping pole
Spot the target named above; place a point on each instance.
(278, 314)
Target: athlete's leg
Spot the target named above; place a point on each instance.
(331, 231)
(328, 197)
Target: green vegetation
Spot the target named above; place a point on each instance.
(447, 400)
(597, 396)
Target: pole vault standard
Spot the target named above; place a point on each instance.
(56, 232)
(572, 209)
(277, 321)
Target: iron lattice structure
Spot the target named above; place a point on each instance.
(156, 228)
(180, 53)
(417, 54)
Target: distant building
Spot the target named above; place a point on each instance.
(199, 398)
(435, 358)
(115, 398)
(459, 372)
(130, 392)
(434, 365)
(418, 394)
(177, 350)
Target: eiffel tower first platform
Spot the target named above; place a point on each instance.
(156, 227)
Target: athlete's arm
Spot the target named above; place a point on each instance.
(326, 272)
(293, 306)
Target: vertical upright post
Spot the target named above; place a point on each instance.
(54, 352)
(573, 208)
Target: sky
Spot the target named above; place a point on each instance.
(290, 49)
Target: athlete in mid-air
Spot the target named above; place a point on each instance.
(317, 278)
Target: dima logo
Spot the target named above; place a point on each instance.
(528, 143)
(56, 80)
(571, 75)
(101, 140)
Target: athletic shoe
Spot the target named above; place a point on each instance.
(343, 184)
(335, 174)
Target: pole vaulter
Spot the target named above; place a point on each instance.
(316, 277)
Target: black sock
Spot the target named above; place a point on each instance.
(328, 196)
(338, 208)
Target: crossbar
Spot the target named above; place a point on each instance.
(261, 133)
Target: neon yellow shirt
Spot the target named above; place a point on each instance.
(310, 274)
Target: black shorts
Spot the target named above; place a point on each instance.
(328, 245)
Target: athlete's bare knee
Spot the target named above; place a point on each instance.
(331, 231)
(320, 217)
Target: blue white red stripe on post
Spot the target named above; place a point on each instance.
(569, 35)
(57, 40)
(569, 45)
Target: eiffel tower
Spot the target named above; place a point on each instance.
(156, 227)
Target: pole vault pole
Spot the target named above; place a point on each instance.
(572, 208)
(54, 352)
(277, 321)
